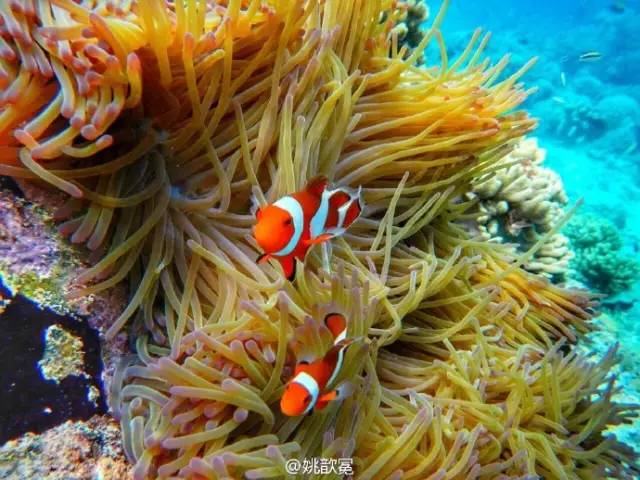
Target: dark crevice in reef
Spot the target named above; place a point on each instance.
(28, 402)
(7, 183)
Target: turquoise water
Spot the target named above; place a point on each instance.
(589, 115)
(599, 99)
(589, 111)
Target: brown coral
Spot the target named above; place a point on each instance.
(409, 26)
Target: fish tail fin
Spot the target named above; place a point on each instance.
(344, 390)
(358, 193)
(338, 349)
(359, 200)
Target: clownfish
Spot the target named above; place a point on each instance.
(308, 387)
(286, 229)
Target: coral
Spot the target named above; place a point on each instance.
(520, 203)
(448, 124)
(63, 355)
(409, 26)
(576, 119)
(73, 450)
(459, 360)
(600, 260)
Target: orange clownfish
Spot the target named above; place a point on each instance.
(287, 228)
(307, 389)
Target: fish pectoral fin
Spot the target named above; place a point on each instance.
(324, 399)
(340, 393)
(263, 258)
(319, 239)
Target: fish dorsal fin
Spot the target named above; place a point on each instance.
(301, 366)
(337, 325)
(317, 185)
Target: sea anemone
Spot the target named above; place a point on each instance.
(207, 110)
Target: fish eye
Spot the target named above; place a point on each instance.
(307, 399)
(303, 362)
(288, 221)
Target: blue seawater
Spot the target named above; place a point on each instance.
(589, 114)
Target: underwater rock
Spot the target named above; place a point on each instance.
(617, 110)
(31, 254)
(81, 450)
(36, 262)
(29, 402)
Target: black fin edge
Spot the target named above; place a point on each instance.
(292, 277)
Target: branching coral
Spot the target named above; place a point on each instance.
(521, 203)
(600, 261)
(456, 365)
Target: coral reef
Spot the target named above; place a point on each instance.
(73, 450)
(577, 119)
(615, 329)
(608, 125)
(168, 123)
(63, 355)
(522, 202)
(600, 260)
